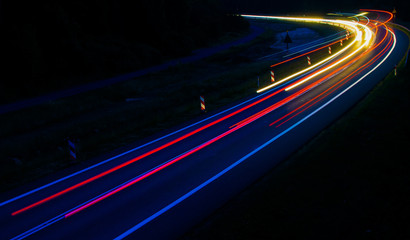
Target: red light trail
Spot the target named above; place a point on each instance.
(233, 128)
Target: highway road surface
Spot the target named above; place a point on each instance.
(161, 188)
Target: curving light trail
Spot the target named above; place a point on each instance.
(364, 42)
(341, 23)
(339, 84)
(350, 25)
(240, 124)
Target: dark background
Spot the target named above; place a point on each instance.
(51, 43)
(46, 45)
(312, 6)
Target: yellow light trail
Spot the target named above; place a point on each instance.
(366, 43)
(324, 69)
(349, 25)
(305, 70)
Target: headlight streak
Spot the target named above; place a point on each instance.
(341, 82)
(295, 95)
(196, 189)
(319, 20)
(304, 70)
(328, 92)
(251, 119)
(368, 37)
(159, 168)
(392, 44)
(311, 86)
(308, 88)
(172, 142)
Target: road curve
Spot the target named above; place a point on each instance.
(162, 188)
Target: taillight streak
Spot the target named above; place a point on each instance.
(156, 150)
(141, 156)
(180, 157)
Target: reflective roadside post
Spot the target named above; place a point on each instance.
(202, 100)
(272, 76)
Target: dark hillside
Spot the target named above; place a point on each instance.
(54, 44)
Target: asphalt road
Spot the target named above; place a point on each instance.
(174, 180)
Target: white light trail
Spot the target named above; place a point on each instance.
(352, 26)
